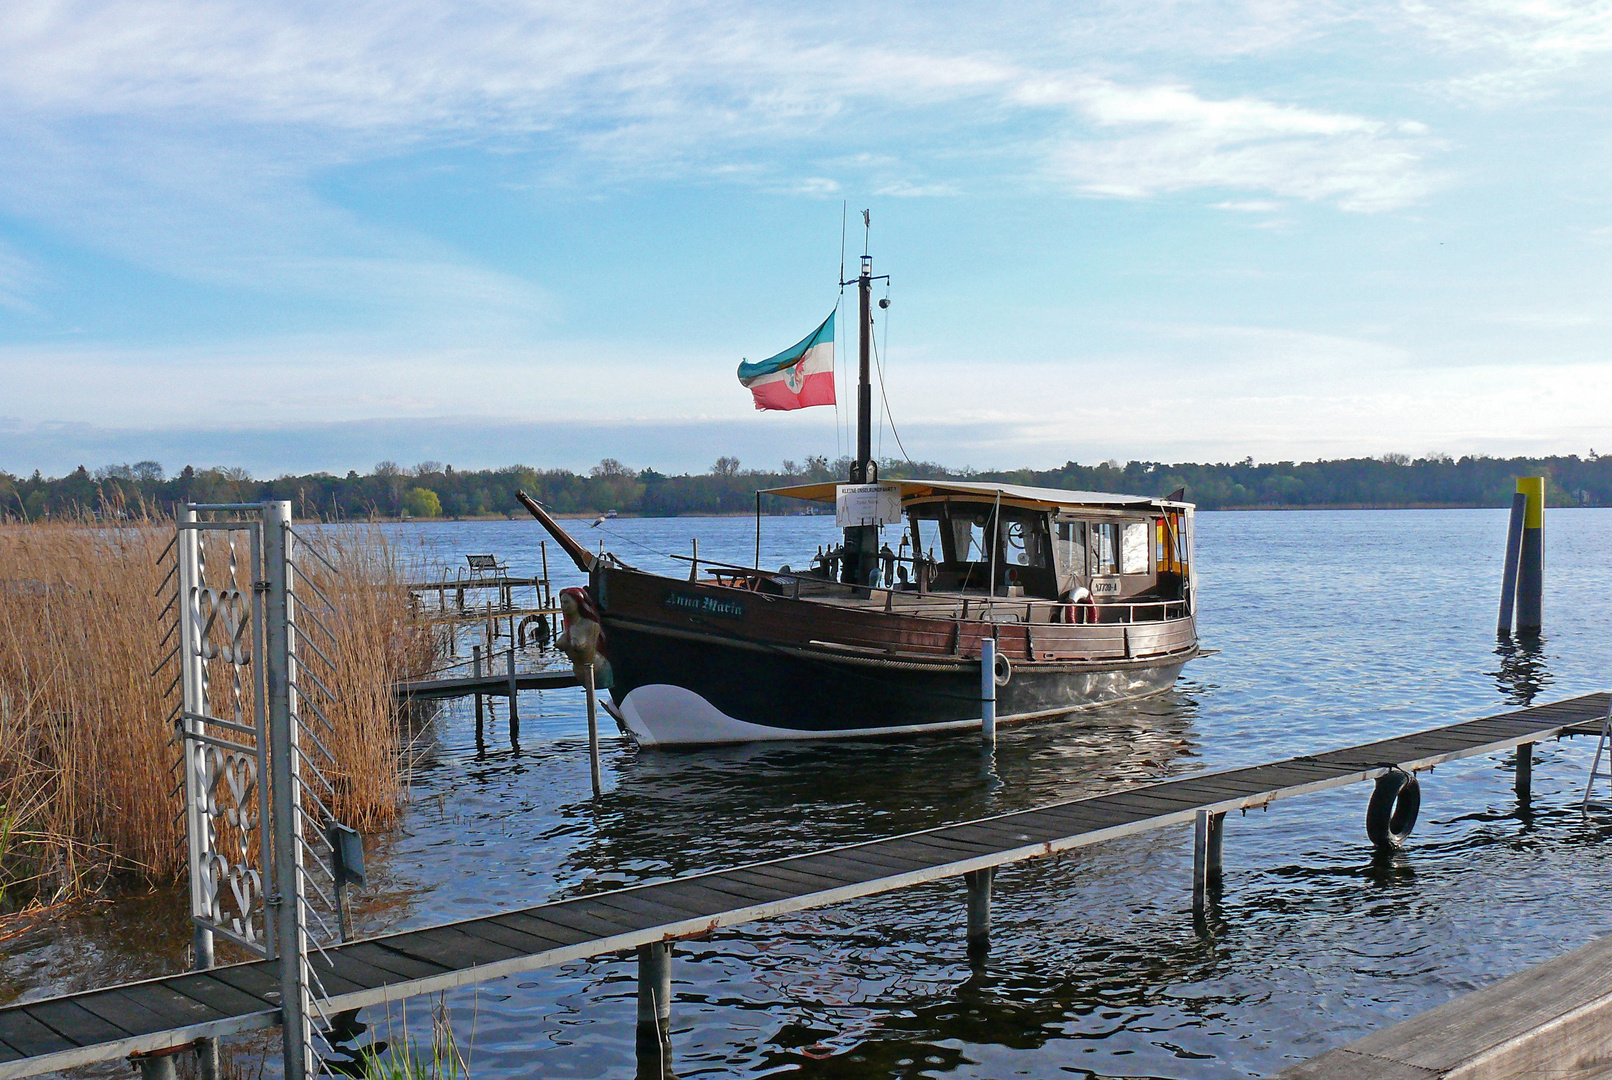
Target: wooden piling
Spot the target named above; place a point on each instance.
(654, 990)
(979, 910)
(1525, 771)
(514, 699)
(1531, 558)
(475, 670)
(593, 728)
(1508, 579)
(1207, 858)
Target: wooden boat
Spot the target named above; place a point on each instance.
(1089, 597)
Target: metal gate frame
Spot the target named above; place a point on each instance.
(246, 774)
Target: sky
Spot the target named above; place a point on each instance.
(305, 236)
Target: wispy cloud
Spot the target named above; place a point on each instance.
(1168, 138)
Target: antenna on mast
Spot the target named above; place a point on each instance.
(867, 229)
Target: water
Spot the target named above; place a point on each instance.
(1334, 628)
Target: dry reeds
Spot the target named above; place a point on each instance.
(88, 783)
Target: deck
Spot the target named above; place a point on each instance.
(106, 1024)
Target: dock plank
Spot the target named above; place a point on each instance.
(29, 1036)
(73, 1022)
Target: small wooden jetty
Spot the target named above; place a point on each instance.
(1547, 1021)
(161, 1014)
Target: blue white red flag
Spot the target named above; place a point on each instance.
(798, 377)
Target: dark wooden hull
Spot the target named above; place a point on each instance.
(700, 663)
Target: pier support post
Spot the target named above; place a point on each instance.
(160, 1066)
(988, 691)
(1207, 837)
(475, 672)
(593, 728)
(1525, 771)
(514, 700)
(1531, 558)
(1508, 578)
(654, 993)
(979, 911)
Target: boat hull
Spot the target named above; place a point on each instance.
(675, 688)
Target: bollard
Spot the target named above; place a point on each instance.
(593, 728)
(1508, 579)
(988, 691)
(1531, 558)
(979, 911)
(1207, 851)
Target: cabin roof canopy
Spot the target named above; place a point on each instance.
(1046, 498)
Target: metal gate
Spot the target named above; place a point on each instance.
(247, 684)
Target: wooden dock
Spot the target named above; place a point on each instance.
(157, 1014)
(492, 685)
(1547, 1021)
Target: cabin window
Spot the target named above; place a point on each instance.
(1022, 543)
(1104, 536)
(968, 539)
(927, 531)
(1072, 546)
(1133, 549)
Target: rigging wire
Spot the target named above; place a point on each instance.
(878, 362)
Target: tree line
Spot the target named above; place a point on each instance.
(434, 490)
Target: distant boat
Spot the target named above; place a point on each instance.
(1089, 596)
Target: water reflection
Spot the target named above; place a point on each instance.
(678, 812)
(1523, 673)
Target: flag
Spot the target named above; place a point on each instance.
(797, 377)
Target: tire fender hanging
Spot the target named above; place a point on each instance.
(1391, 814)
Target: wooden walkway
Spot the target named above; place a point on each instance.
(494, 685)
(105, 1024)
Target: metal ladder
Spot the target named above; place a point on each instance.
(1603, 746)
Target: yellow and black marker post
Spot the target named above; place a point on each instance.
(1531, 557)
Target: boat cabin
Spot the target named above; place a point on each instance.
(1130, 555)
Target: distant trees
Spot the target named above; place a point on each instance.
(434, 489)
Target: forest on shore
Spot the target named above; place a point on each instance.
(434, 490)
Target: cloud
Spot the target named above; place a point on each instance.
(1168, 139)
(1520, 49)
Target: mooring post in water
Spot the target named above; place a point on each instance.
(1207, 836)
(593, 727)
(1531, 558)
(988, 690)
(1525, 771)
(1508, 579)
(654, 992)
(514, 699)
(475, 671)
(979, 911)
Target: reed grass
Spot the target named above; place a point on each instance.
(89, 784)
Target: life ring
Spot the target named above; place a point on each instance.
(1391, 814)
(1003, 671)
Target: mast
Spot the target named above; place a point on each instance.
(859, 563)
(864, 387)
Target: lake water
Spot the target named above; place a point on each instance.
(1334, 628)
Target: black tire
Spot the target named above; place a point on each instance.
(1391, 815)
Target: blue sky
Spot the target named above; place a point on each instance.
(302, 236)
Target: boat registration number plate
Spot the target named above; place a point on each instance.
(1105, 587)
